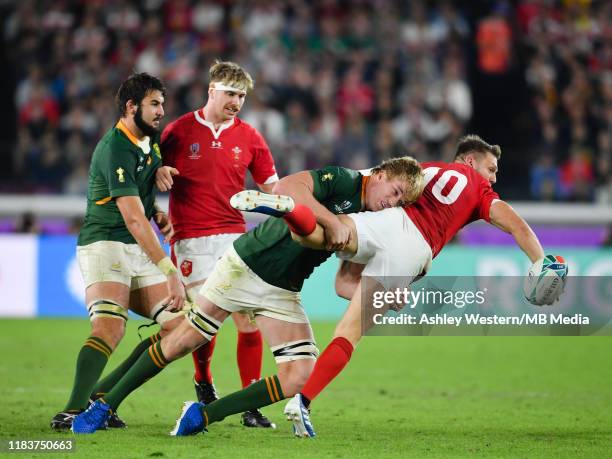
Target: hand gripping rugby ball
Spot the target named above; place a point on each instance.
(545, 281)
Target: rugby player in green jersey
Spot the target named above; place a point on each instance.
(119, 254)
(262, 274)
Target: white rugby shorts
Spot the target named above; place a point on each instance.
(234, 287)
(111, 261)
(391, 246)
(196, 257)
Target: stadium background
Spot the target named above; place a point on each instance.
(337, 82)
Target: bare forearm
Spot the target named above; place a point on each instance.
(505, 218)
(317, 240)
(146, 238)
(528, 242)
(137, 224)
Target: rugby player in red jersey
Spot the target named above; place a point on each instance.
(211, 149)
(402, 242)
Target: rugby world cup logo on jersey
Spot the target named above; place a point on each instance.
(340, 208)
(194, 151)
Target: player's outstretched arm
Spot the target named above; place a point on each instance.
(505, 218)
(136, 221)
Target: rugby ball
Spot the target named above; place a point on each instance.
(545, 280)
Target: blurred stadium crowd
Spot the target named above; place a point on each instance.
(344, 82)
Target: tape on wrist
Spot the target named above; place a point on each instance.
(166, 266)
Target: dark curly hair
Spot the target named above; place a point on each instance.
(135, 88)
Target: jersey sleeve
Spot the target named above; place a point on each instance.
(328, 181)
(118, 171)
(487, 196)
(168, 145)
(262, 165)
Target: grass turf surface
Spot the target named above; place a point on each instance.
(399, 397)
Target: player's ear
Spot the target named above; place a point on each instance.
(131, 107)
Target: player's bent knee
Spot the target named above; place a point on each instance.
(200, 328)
(108, 320)
(167, 319)
(107, 308)
(179, 342)
(203, 323)
(170, 325)
(243, 323)
(295, 350)
(295, 361)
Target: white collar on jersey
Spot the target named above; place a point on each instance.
(145, 145)
(216, 132)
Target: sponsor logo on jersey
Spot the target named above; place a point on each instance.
(326, 177)
(216, 144)
(186, 267)
(156, 150)
(340, 208)
(139, 168)
(237, 152)
(120, 172)
(194, 151)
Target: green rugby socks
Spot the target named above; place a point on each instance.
(109, 381)
(259, 394)
(90, 363)
(150, 363)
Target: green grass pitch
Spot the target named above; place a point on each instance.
(399, 397)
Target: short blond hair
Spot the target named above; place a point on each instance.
(230, 74)
(408, 169)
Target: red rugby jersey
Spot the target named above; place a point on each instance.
(454, 195)
(212, 165)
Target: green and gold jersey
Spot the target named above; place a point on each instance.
(120, 166)
(269, 250)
